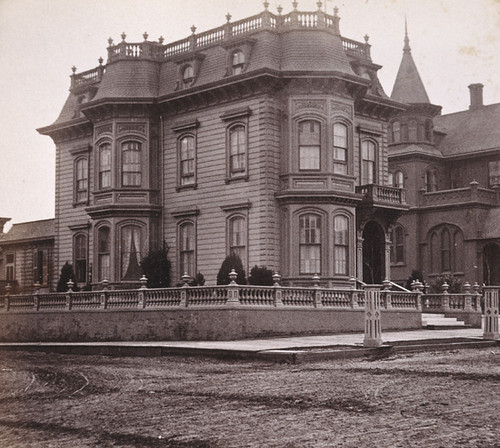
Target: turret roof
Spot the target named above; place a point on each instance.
(408, 87)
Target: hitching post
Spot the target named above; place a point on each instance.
(491, 313)
(373, 333)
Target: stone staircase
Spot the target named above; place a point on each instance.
(439, 321)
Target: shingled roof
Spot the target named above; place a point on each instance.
(469, 131)
(408, 87)
(29, 231)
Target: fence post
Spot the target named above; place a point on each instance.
(184, 291)
(233, 296)
(8, 288)
(373, 332)
(387, 291)
(446, 297)
(419, 286)
(491, 313)
(104, 293)
(317, 291)
(278, 292)
(140, 294)
(36, 297)
(354, 294)
(70, 284)
(467, 297)
(477, 306)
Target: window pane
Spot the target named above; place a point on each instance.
(368, 163)
(339, 148)
(131, 253)
(309, 158)
(310, 244)
(238, 144)
(341, 243)
(186, 249)
(105, 166)
(131, 164)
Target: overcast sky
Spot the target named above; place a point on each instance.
(454, 43)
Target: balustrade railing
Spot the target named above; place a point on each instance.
(442, 303)
(382, 193)
(201, 296)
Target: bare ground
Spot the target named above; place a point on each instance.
(437, 399)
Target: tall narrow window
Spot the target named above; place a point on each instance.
(81, 180)
(104, 253)
(310, 244)
(186, 249)
(457, 254)
(131, 164)
(340, 148)
(368, 162)
(398, 243)
(396, 132)
(105, 166)
(428, 130)
(238, 62)
(40, 266)
(398, 179)
(431, 183)
(341, 242)
(10, 267)
(237, 237)
(412, 131)
(80, 258)
(187, 160)
(130, 253)
(434, 253)
(237, 150)
(309, 145)
(445, 250)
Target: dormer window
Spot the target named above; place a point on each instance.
(238, 62)
(187, 75)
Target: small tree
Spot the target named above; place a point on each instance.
(454, 283)
(156, 267)
(67, 274)
(198, 280)
(232, 261)
(261, 275)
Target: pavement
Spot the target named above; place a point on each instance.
(279, 349)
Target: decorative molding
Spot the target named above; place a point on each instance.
(76, 227)
(337, 106)
(195, 211)
(237, 206)
(369, 131)
(132, 127)
(185, 126)
(236, 113)
(80, 150)
(104, 129)
(298, 105)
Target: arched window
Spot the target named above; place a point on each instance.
(431, 180)
(412, 131)
(130, 252)
(238, 61)
(457, 251)
(104, 253)
(340, 148)
(237, 237)
(105, 166)
(131, 164)
(187, 75)
(445, 250)
(237, 150)
(309, 145)
(368, 165)
(81, 180)
(341, 245)
(398, 179)
(396, 132)
(80, 257)
(186, 249)
(310, 243)
(187, 160)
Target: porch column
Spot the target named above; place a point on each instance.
(359, 255)
(387, 258)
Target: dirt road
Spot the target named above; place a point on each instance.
(441, 399)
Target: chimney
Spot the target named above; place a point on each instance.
(3, 221)
(476, 96)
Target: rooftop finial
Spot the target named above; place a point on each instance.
(110, 41)
(193, 29)
(100, 60)
(335, 12)
(123, 36)
(145, 35)
(73, 69)
(280, 9)
(407, 40)
(367, 38)
(295, 4)
(319, 4)
(266, 5)
(161, 40)
(228, 17)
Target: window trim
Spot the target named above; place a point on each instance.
(239, 65)
(335, 161)
(105, 144)
(229, 234)
(440, 253)
(180, 177)
(243, 173)
(180, 251)
(320, 146)
(140, 251)
(374, 162)
(84, 200)
(76, 260)
(140, 163)
(98, 252)
(11, 265)
(397, 245)
(347, 246)
(320, 227)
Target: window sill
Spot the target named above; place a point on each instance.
(186, 187)
(243, 178)
(398, 264)
(81, 204)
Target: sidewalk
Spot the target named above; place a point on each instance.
(289, 349)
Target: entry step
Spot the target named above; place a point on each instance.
(440, 321)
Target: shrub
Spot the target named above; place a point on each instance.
(453, 281)
(232, 261)
(261, 276)
(156, 267)
(67, 274)
(198, 280)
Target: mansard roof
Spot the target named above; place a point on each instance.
(294, 44)
(408, 87)
(29, 231)
(469, 131)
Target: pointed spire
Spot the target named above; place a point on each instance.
(408, 87)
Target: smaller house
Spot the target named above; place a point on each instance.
(26, 255)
